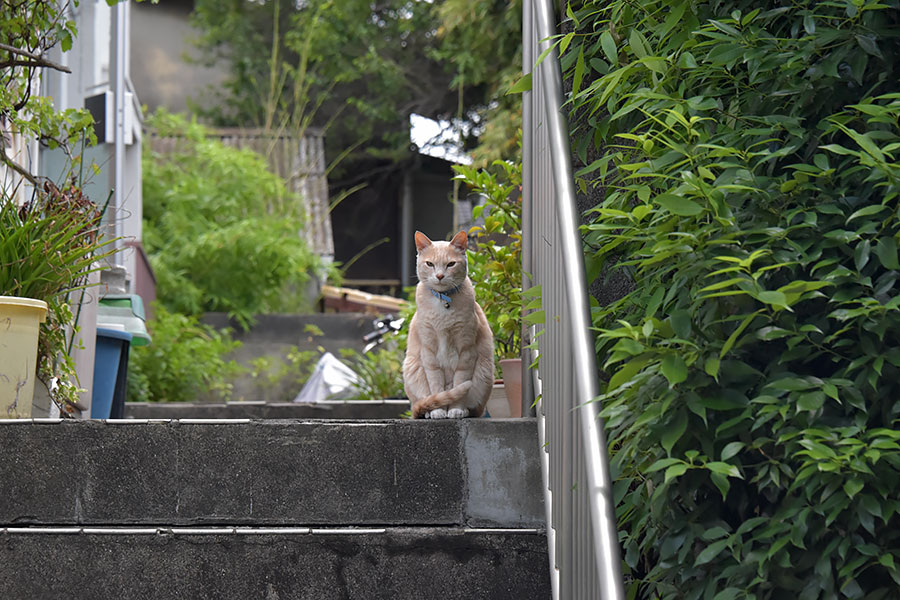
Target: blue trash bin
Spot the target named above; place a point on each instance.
(110, 374)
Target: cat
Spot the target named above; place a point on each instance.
(448, 372)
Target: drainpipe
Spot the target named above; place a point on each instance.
(118, 58)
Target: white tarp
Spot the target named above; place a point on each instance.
(331, 379)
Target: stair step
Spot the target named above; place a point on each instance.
(472, 472)
(389, 563)
(332, 409)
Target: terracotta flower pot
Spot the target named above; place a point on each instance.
(512, 381)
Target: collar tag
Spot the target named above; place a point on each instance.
(443, 296)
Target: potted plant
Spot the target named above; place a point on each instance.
(49, 237)
(495, 263)
(48, 247)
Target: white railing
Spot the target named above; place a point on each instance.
(584, 547)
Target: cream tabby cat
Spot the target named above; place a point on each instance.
(449, 368)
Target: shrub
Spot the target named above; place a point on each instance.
(185, 362)
(222, 232)
(744, 158)
(495, 254)
(379, 372)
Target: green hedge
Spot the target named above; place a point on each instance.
(222, 231)
(744, 154)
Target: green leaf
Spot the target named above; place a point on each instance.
(654, 302)
(638, 43)
(732, 449)
(868, 44)
(886, 251)
(674, 431)
(579, 72)
(722, 483)
(609, 48)
(523, 85)
(809, 24)
(663, 463)
(811, 400)
(537, 317)
(674, 369)
(678, 205)
(724, 468)
(861, 254)
(681, 323)
(773, 297)
(732, 339)
(866, 211)
(792, 384)
(852, 487)
(564, 44)
(711, 551)
(676, 471)
(711, 366)
(729, 593)
(627, 371)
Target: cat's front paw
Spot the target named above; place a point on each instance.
(457, 413)
(438, 413)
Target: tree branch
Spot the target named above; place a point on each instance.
(37, 59)
(18, 169)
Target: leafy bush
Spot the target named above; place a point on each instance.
(185, 362)
(495, 253)
(222, 232)
(743, 153)
(379, 373)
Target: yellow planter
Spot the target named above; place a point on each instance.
(20, 320)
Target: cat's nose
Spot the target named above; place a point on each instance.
(439, 276)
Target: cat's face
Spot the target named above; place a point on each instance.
(441, 265)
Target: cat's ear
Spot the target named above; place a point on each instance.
(422, 241)
(460, 241)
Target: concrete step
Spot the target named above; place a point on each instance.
(240, 564)
(468, 473)
(331, 409)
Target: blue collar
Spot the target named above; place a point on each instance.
(444, 296)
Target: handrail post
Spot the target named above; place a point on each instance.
(586, 384)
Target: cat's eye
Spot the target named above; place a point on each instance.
(429, 263)
(451, 263)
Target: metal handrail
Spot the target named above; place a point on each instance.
(578, 477)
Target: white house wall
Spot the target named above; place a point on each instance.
(89, 61)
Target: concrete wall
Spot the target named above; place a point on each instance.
(274, 336)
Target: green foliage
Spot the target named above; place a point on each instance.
(473, 34)
(745, 156)
(29, 34)
(186, 361)
(347, 64)
(359, 68)
(47, 246)
(379, 373)
(222, 232)
(495, 258)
